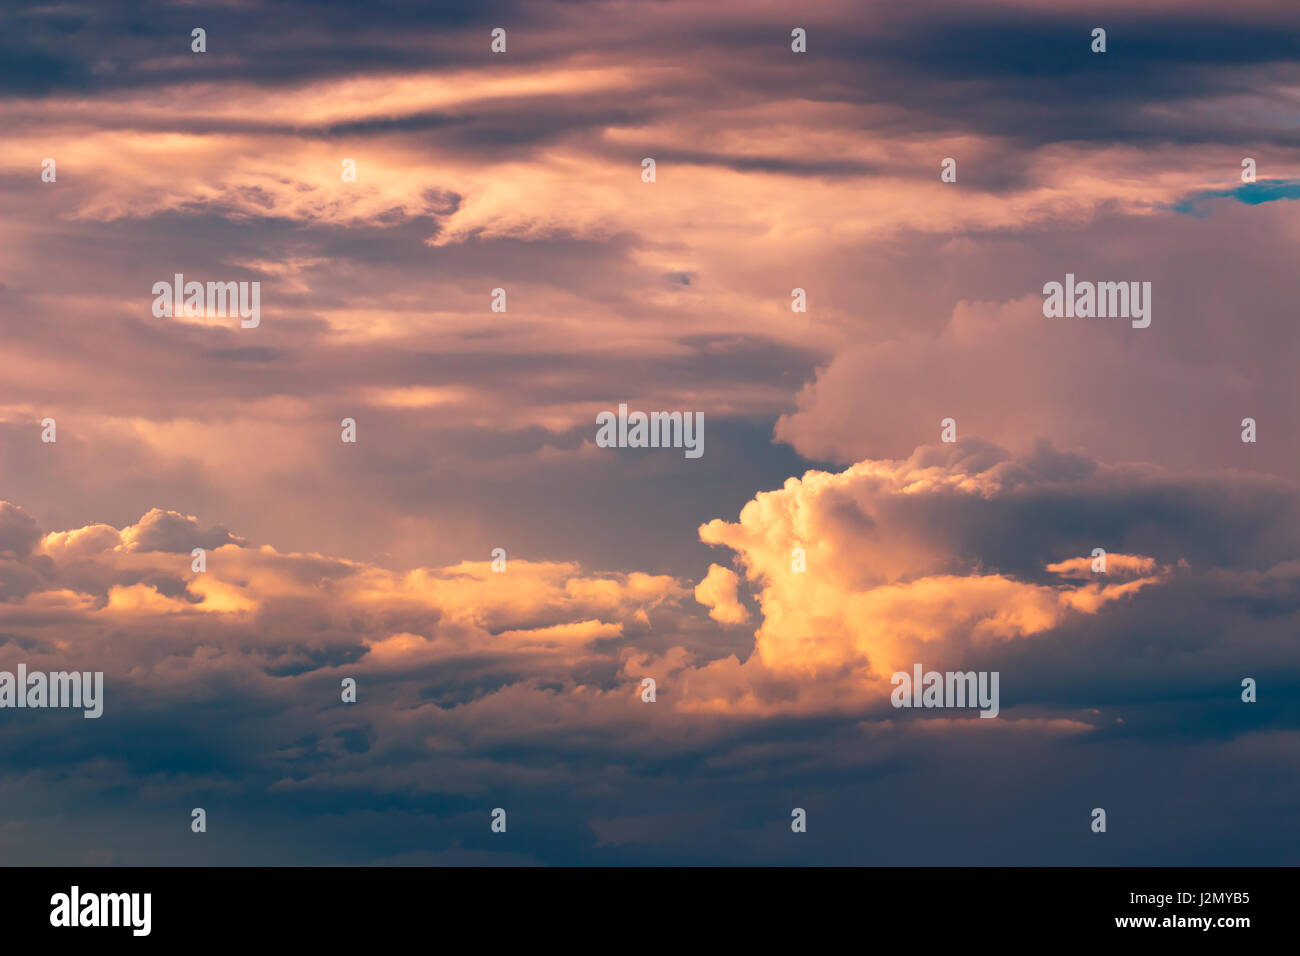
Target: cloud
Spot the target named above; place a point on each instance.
(168, 531)
(1117, 564)
(1173, 394)
(775, 171)
(717, 592)
(473, 682)
(522, 172)
(940, 557)
(18, 532)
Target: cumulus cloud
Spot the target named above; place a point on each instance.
(957, 557)
(941, 556)
(717, 592)
(168, 531)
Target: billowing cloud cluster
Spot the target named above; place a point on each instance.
(473, 680)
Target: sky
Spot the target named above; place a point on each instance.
(828, 536)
